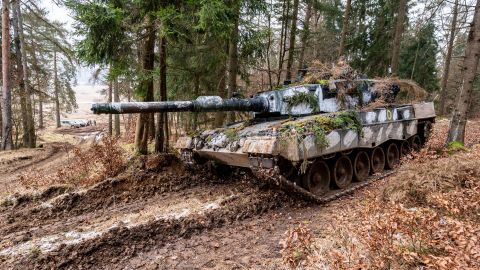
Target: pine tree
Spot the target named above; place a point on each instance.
(6, 143)
(419, 58)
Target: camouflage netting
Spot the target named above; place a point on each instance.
(319, 72)
(390, 90)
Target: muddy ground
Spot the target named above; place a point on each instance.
(162, 217)
(157, 214)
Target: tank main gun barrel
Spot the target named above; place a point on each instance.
(201, 104)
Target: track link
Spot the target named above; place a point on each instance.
(273, 176)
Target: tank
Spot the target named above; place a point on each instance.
(318, 140)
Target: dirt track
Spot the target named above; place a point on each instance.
(15, 163)
(136, 212)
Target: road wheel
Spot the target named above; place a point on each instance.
(405, 148)
(415, 143)
(361, 166)
(317, 180)
(393, 156)
(377, 159)
(342, 172)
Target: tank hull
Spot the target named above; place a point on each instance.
(264, 139)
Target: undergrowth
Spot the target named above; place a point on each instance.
(85, 167)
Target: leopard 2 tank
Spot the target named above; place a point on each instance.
(319, 140)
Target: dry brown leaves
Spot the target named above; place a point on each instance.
(297, 245)
(410, 91)
(317, 71)
(85, 167)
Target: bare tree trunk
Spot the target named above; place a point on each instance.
(269, 49)
(110, 126)
(221, 89)
(116, 98)
(162, 120)
(305, 35)
(397, 41)
(448, 58)
(40, 93)
(346, 21)
(469, 71)
(57, 101)
(233, 61)
(283, 35)
(143, 123)
(293, 33)
(28, 94)
(20, 77)
(6, 92)
(40, 111)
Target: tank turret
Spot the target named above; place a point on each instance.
(290, 101)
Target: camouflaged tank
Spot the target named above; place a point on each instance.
(315, 136)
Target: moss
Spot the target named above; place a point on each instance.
(230, 133)
(456, 146)
(320, 126)
(302, 98)
(194, 133)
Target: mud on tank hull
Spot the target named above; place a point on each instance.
(341, 155)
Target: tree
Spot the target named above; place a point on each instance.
(291, 45)
(6, 91)
(448, 58)
(305, 35)
(56, 89)
(116, 98)
(370, 39)
(110, 95)
(161, 144)
(22, 77)
(459, 117)
(346, 21)
(419, 57)
(233, 57)
(397, 42)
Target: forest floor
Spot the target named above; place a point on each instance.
(153, 213)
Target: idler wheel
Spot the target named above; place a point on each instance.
(377, 159)
(361, 166)
(342, 172)
(317, 180)
(405, 148)
(393, 156)
(415, 143)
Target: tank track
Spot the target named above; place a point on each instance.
(273, 177)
